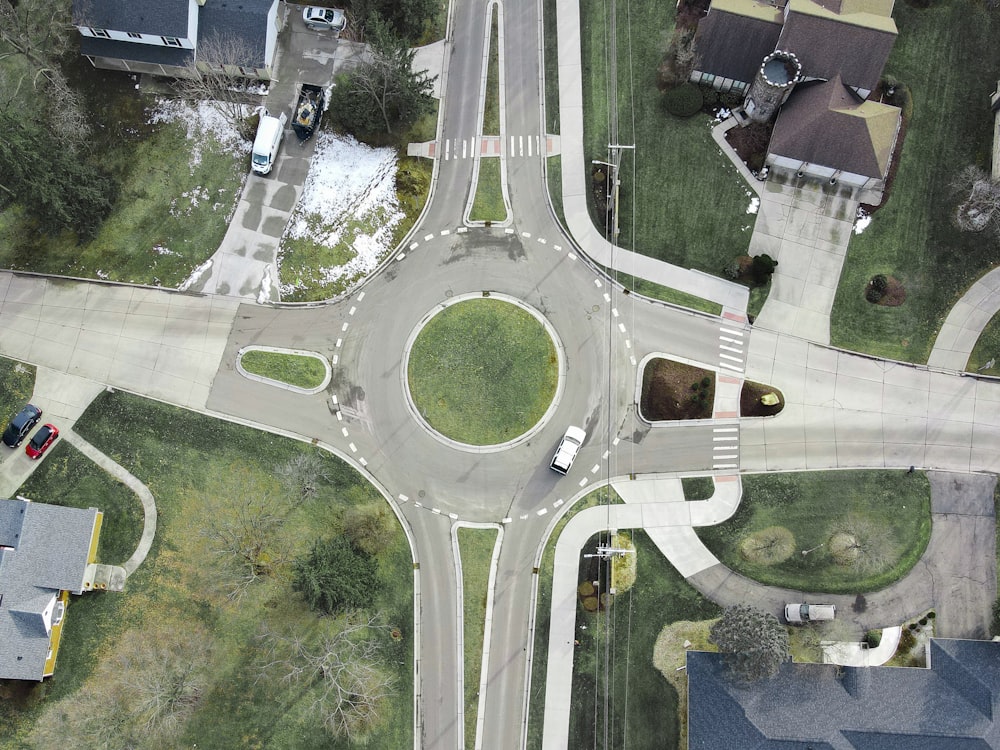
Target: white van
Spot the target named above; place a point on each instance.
(569, 446)
(265, 145)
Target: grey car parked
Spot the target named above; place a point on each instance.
(20, 425)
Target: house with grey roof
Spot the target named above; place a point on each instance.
(175, 37)
(952, 704)
(816, 62)
(47, 552)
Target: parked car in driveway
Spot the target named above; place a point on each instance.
(800, 614)
(325, 19)
(21, 425)
(41, 441)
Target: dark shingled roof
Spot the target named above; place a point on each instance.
(158, 17)
(245, 20)
(730, 45)
(146, 53)
(827, 124)
(50, 551)
(886, 708)
(827, 46)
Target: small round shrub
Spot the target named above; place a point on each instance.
(768, 546)
(923, 620)
(706, 381)
(590, 604)
(585, 589)
(931, 615)
(683, 101)
(906, 642)
(873, 638)
(913, 626)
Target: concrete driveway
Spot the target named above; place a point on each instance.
(806, 228)
(246, 263)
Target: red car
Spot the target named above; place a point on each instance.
(41, 441)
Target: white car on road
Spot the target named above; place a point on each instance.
(569, 446)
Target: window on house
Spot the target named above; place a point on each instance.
(171, 41)
(133, 35)
(100, 33)
(707, 78)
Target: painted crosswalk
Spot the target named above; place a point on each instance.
(508, 147)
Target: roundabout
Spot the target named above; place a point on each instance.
(483, 373)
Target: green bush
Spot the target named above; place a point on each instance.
(336, 575)
(683, 101)
(906, 641)
(873, 638)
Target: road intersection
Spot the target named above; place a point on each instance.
(841, 409)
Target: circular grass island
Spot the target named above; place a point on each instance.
(482, 371)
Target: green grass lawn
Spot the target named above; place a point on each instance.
(664, 293)
(698, 488)
(18, 382)
(491, 105)
(681, 200)
(476, 548)
(659, 597)
(171, 215)
(948, 56)
(302, 260)
(178, 584)
(643, 703)
(294, 369)
(894, 505)
(987, 348)
(483, 371)
(488, 204)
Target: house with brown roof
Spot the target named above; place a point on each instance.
(810, 66)
(47, 552)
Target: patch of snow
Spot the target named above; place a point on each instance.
(864, 219)
(264, 295)
(200, 119)
(754, 205)
(721, 115)
(349, 184)
(161, 250)
(195, 275)
(102, 274)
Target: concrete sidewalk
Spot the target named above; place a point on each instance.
(965, 323)
(161, 344)
(576, 193)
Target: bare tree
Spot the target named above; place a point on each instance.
(371, 527)
(343, 666)
(215, 76)
(863, 544)
(38, 31)
(303, 473)
(245, 514)
(979, 206)
(755, 643)
(142, 694)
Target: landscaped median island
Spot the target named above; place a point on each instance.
(846, 532)
(674, 390)
(305, 371)
(483, 371)
(476, 548)
(219, 637)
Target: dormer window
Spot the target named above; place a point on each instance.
(101, 33)
(133, 35)
(58, 612)
(171, 41)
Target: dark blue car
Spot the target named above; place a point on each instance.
(21, 425)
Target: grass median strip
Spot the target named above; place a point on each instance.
(476, 548)
(489, 204)
(300, 370)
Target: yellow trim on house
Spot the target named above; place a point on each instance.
(751, 9)
(864, 19)
(95, 538)
(55, 637)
